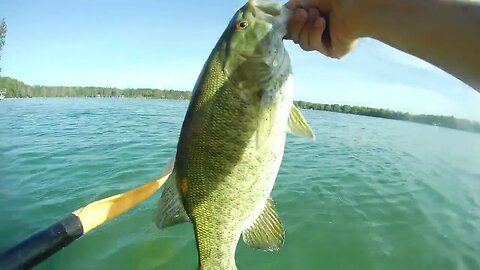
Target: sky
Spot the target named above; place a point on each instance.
(164, 44)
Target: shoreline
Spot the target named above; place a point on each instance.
(15, 89)
(426, 119)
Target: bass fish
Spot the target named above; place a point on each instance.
(232, 140)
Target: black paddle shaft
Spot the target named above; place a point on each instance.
(41, 245)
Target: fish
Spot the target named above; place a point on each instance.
(232, 140)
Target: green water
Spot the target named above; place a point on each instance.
(367, 194)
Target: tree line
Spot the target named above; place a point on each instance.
(17, 89)
(3, 33)
(436, 120)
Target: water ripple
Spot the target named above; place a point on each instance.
(367, 194)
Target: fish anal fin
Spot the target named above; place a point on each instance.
(298, 125)
(266, 232)
(170, 210)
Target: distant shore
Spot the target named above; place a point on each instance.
(17, 89)
(428, 119)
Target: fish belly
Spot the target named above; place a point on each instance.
(220, 216)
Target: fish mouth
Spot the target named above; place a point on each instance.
(267, 9)
(273, 13)
(281, 21)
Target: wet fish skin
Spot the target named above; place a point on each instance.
(232, 140)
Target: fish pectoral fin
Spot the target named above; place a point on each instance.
(266, 120)
(298, 125)
(266, 232)
(170, 210)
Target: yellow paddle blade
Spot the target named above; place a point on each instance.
(97, 213)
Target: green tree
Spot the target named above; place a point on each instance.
(346, 109)
(3, 33)
(336, 108)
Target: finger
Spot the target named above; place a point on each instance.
(296, 24)
(341, 47)
(321, 5)
(316, 33)
(305, 34)
(293, 4)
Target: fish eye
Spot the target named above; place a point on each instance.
(241, 25)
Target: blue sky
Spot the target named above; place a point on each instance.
(163, 44)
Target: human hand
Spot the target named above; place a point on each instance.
(326, 26)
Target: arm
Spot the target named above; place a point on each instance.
(445, 33)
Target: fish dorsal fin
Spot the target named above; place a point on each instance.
(266, 232)
(298, 125)
(170, 210)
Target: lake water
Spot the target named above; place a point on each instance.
(367, 194)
